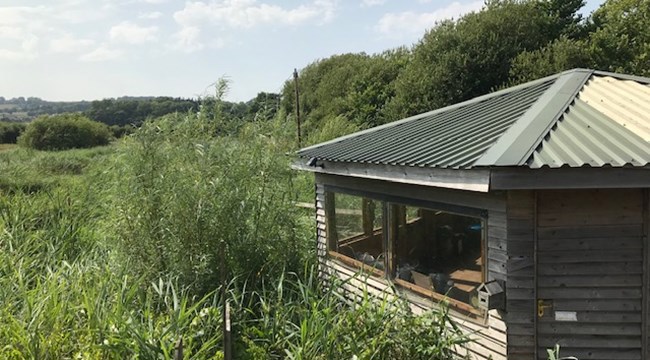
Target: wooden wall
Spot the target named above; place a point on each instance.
(590, 263)
(490, 333)
(520, 282)
(590, 247)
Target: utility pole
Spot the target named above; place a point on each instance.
(295, 83)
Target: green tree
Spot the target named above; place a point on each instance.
(621, 41)
(353, 86)
(10, 131)
(64, 131)
(566, 20)
(459, 60)
(560, 55)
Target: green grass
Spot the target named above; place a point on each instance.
(111, 253)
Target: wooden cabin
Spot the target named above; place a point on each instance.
(527, 209)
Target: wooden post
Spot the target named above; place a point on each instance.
(178, 352)
(535, 270)
(645, 318)
(295, 83)
(368, 215)
(330, 222)
(225, 314)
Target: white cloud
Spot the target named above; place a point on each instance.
(188, 39)
(409, 23)
(151, 15)
(18, 43)
(24, 28)
(11, 32)
(27, 49)
(70, 44)
(133, 34)
(251, 13)
(371, 3)
(19, 15)
(102, 53)
(154, 1)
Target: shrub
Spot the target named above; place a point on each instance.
(64, 131)
(9, 132)
(191, 193)
(122, 130)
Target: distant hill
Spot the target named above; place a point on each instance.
(22, 109)
(133, 110)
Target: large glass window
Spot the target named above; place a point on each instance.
(355, 230)
(438, 254)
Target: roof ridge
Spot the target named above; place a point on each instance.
(641, 79)
(471, 101)
(515, 146)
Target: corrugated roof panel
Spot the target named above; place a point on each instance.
(587, 137)
(626, 102)
(577, 118)
(454, 137)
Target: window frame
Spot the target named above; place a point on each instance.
(388, 204)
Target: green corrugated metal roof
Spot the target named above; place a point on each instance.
(535, 124)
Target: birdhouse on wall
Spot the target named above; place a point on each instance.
(490, 296)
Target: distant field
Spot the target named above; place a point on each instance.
(7, 106)
(5, 147)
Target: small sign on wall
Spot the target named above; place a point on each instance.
(566, 316)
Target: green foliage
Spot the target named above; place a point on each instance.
(456, 61)
(10, 131)
(134, 111)
(354, 86)
(65, 131)
(29, 171)
(295, 318)
(621, 41)
(191, 193)
(21, 109)
(554, 354)
(65, 291)
(122, 130)
(560, 55)
(332, 128)
(566, 21)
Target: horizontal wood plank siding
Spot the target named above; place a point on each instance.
(321, 228)
(590, 262)
(520, 282)
(489, 335)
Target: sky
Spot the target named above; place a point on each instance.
(70, 50)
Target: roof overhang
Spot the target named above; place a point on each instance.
(569, 178)
(471, 180)
(487, 179)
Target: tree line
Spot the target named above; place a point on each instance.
(506, 43)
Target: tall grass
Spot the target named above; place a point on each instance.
(113, 253)
(296, 318)
(189, 194)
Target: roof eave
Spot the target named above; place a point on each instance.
(460, 179)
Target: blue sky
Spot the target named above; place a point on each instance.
(93, 49)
